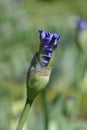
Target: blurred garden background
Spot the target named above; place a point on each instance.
(19, 40)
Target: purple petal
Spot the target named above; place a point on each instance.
(49, 55)
(57, 38)
(42, 34)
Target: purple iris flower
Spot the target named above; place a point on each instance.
(48, 44)
(71, 97)
(82, 24)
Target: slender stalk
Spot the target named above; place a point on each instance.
(46, 114)
(79, 74)
(23, 116)
(60, 105)
(80, 67)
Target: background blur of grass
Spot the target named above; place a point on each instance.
(19, 39)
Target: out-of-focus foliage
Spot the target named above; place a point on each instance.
(19, 22)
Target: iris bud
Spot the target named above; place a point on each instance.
(81, 34)
(39, 71)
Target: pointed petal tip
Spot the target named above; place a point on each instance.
(57, 36)
(40, 30)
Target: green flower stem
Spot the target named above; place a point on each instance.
(46, 114)
(23, 116)
(80, 67)
(79, 74)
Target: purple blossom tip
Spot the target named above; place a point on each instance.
(48, 44)
(46, 37)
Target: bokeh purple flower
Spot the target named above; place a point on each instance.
(82, 24)
(48, 44)
(81, 34)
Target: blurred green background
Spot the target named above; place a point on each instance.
(19, 39)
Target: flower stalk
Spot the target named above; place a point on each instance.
(23, 116)
(46, 112)
(81, 41)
